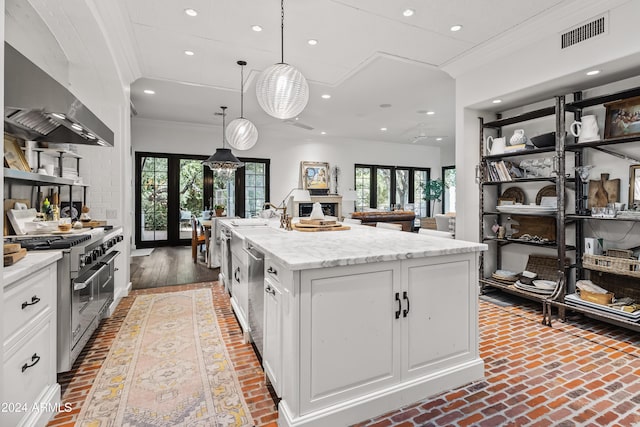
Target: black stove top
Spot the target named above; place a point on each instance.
(53, 242)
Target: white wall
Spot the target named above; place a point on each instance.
(285, 155)
(79, 57)
(532, 73)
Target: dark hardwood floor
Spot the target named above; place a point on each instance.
(167, 266)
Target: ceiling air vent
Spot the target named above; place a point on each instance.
(583, 32)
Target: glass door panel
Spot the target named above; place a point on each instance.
(190, 193)
(402, 189)
(363, 188)
(419, 204)
(383, 187)
(154, 197)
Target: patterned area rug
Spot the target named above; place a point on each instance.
(167, 367)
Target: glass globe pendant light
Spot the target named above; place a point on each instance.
(281, 89)
(241, 133)
(223, 163)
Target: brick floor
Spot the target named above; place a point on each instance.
(578, 373)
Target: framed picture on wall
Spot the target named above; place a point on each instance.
(622, 118)
(315, 177)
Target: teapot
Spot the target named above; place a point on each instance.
(495, 145)
(518, 137)
(586, 130)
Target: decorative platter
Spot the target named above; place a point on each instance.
(515, 193)
(547, 191)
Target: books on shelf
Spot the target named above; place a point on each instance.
(503, 171)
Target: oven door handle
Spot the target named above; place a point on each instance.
(86, 278)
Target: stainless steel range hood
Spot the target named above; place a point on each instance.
(38, 108)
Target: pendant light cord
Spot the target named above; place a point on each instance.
(242, 91)
(282, 31)
(223, 125)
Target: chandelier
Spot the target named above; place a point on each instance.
(223, 163)
(281, 89)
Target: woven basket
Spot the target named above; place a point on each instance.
(619, 253)
(429, 223)
(626, 267)
(620, 286)
(546, 267)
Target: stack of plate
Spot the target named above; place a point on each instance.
(575, 300)
(542, 287)
(505, 276)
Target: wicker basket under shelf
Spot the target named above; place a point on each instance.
(619, 253)
(545, 266)
(625, 267)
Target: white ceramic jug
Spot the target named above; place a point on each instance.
(586, 130)
(518, 137)
(495, 145)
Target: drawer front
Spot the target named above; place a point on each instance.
(29, 372)
(27, 300)
(274, 270)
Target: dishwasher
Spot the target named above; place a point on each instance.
(256, 297)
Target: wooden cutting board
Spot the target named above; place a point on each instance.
(10, 259)
(93, 223)
(9, 204)
(305, 227)
(541, 226)
(10, 248)
(317, 221)
(603, 191)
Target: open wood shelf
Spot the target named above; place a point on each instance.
(531, 115)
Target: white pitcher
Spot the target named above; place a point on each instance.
(495, 145)
(586, 130)
(518, 137)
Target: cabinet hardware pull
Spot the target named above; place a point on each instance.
(272, 270)
(477, 174)
(236, 274)
(270, 290)
(34, 300)
(35, 359)
(399, 305)
(405, 311)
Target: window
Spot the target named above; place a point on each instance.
(252, 187)
(449, 196)
(384, 187)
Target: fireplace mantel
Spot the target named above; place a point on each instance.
(329, 199)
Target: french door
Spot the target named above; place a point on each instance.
(170, 188)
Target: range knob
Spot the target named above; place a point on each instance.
(82, 261)
(87, 259)
(120, 238)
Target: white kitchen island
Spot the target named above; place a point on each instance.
(362, 321)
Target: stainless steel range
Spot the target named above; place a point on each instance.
(85, 285)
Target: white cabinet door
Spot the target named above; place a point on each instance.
(433, 336)
(240, 292)
(349, 334)
(272, 351)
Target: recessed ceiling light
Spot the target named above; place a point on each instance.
(385, 105)
(408, 12)
(456, 28)
(383, 129)
(326, 96)
(497, 101)
(438, 139)
(430, 113)
(593, 72)
(312, 42)
(191, 12)
(323, 133)
(149, 91)
(189, 52)
(256, 28)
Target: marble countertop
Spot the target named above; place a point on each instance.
(359, 245)
(32, 262)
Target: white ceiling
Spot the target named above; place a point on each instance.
(367, 54)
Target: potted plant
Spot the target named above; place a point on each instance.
(219, 209)
(432, 192)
